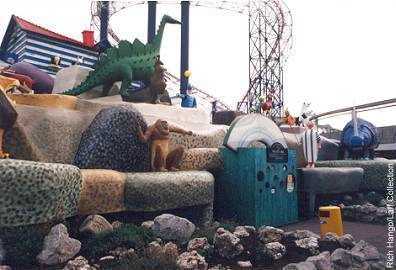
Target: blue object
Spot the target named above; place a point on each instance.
(256, 191)
(188, 101)
(10, 57)
(185, 18)
(152, 10)
(367, 139)
(136, 86)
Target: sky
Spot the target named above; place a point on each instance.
(343, 50)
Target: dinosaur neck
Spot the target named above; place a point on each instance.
(158, 37)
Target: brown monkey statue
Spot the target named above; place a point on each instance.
(161, 159)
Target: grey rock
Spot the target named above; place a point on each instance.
(248, 236)
(368, 208)
(111, 142)
(321, 261)
(79, 263)
(216, 224)
(370, 252)
(310, 243)
(191, 261)
(226, 244)
(5, 267)
(244, 264)
(342, 258)
(329, 242)
(382, 203)
(148, 224)
(58, 247)
(95, 224)
(197, 244)
(346, 241)
(367, 218)
(381, 212)
(300, 234)
(268, 234)
(300, 266)
(275, 250)
(171, 227)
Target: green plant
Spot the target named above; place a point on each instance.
(128, 235)
(145, 263)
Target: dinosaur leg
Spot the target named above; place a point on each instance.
(125, 83)
(106, 89)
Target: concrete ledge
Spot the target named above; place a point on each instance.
(33, 192)
(157, 191)
(375, 171)
(331, 180)
(46, 100)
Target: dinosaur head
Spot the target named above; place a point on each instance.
(169, 19)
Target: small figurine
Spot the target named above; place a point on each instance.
(55, 63)
(161, 159)
(268, 104)
(303, 119)
(8, 114)
(288, 119)
(188, 100)
(311, 144)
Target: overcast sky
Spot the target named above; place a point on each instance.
(343, 50)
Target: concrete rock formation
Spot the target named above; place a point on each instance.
(111, 142)
(35, 192)
(226, 244)
(268, 234)
(275, 250)
(191, 261)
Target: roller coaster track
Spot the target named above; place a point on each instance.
(278, 39)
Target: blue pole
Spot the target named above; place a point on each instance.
(152, 10)
(185, 18)
(104, 25)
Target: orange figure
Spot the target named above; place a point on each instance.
(161, 159)
(267, 105)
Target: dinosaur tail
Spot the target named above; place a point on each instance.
(90, 82)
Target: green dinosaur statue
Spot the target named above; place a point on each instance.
(127, 63)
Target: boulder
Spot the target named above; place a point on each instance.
(95, 224)
(275, 250)
(170, 252)
(321, 261)
(191, 261)
(111, 142)
(197, 244)
(345, 259)
(268, 234)
(154, 250)
(373, 198)
(300, 266)
(370, 252)
(58, 247)
(226, 244)
(310, 244)
(347, 241)
(329, 242)
(248, 237)
(79, 263)
(171, 227)
(34, 192)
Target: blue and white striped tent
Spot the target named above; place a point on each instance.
(25, 41)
